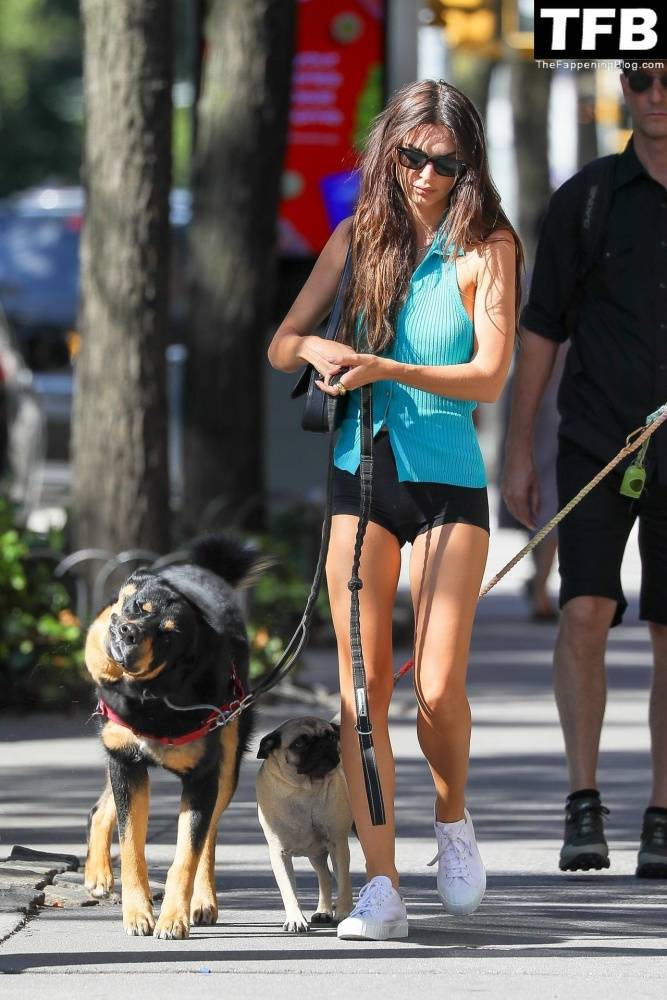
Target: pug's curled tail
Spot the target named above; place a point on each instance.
(235, 559)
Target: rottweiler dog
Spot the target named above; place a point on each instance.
(170, 655)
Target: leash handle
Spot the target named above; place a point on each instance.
(364, 725)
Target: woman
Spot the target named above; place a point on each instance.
(430, 321)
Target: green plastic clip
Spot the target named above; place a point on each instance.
(633, 483)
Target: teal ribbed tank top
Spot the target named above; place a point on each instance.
(433, 437)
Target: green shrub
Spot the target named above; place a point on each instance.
(279, 596)
(41, 640)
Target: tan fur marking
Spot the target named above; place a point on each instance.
(169, 625)
(117, 737)
(204, 907)
(99, 664)
(137, 908)
(187, 891)
(149, 676)
(148, 607)
(98, 878)
(179, 759)
(127, 591)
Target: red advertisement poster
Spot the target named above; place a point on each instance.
(337, 88)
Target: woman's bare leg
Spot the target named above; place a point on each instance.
(446, 568)
(379, 572)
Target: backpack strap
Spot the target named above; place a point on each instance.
(598, 192)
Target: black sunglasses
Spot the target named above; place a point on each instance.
(416, 159)
(639, 82)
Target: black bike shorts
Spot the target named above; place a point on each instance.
(408, 509)
(593, 536)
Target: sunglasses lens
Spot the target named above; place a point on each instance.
(639, 82)
(411, 158)
(446, 167)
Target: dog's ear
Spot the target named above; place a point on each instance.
(268, 744)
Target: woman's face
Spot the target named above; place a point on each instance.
(424, 188)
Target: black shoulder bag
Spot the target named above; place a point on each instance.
(315, 416)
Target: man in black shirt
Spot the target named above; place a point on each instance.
(616, 374)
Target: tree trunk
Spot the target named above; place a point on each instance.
(241, 132)
(530, 105)
(120, 430)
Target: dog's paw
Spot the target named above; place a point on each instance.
(322, 918)
(99, 882)
(203, 910)
(298, 924)
(138, 920)
(173, 924)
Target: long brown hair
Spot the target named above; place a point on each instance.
(383, 244)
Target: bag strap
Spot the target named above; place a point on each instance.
(334, 322)
(337, 308)
(364, 725)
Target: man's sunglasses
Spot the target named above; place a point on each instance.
(639, 82)
(416, 159)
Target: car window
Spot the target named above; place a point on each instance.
(39, 262)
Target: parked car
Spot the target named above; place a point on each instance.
(21, 419)
(39, 289)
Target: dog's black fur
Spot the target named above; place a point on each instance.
(172, 637)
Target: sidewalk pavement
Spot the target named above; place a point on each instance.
(537, 933)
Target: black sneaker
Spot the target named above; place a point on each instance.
(584, 846)
(652, 857)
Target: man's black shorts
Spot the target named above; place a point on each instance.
(592, 538)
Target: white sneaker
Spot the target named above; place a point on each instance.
(461, 873)
(379, 914)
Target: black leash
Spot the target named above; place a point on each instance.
(364, 725)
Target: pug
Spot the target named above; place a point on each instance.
(304, 810)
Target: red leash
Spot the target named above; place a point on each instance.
(406, 668)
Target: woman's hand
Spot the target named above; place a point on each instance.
(327, 357)
(362, 369)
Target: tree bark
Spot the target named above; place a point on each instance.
(241, 131)
(120, 431)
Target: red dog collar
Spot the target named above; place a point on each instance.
(210, 723)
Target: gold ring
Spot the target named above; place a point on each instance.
(341, 389)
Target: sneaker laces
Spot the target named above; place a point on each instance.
(371, 896)
(453, 850)
(589, 818)
(655, 831)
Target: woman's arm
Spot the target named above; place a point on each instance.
(293, 344)
(482, 378)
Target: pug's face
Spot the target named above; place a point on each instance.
(307, 747)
